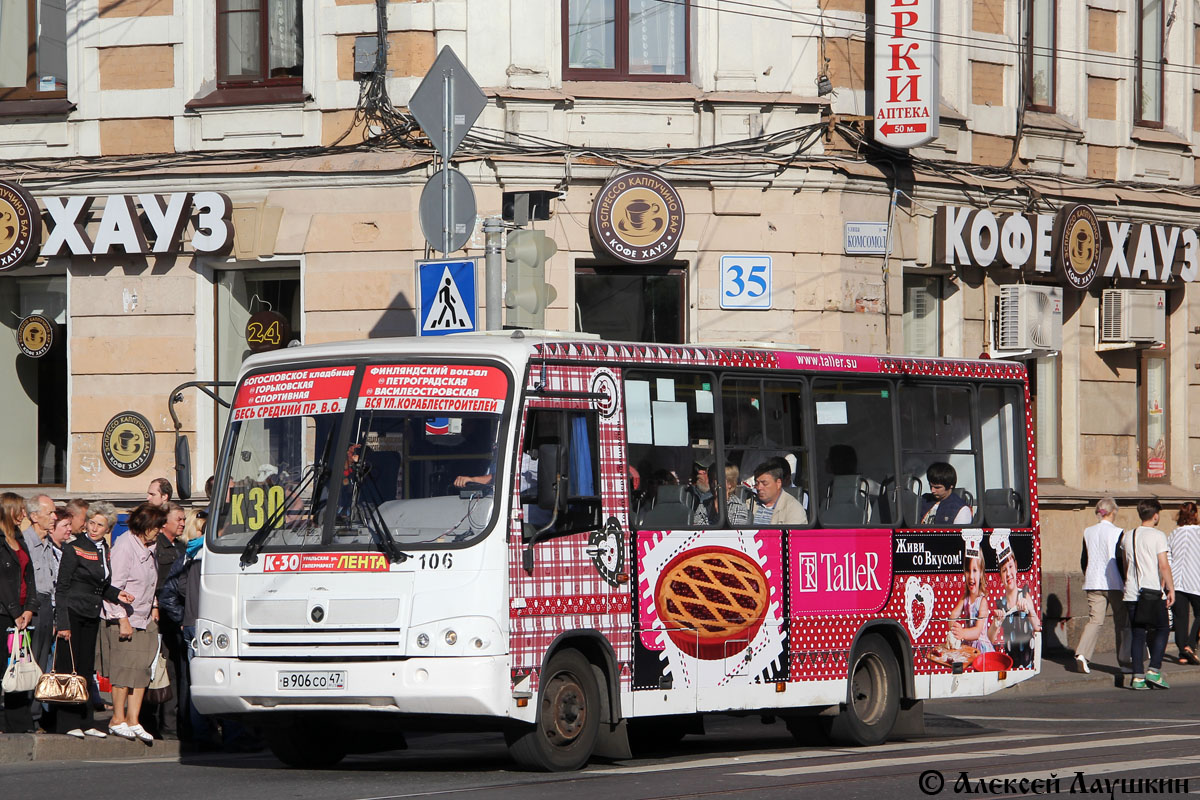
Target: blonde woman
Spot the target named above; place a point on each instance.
(18, 601)
(193, 526)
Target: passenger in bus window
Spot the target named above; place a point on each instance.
(942, 506)
(772, 505)
(737, 508)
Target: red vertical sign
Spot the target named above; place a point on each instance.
(907, 84)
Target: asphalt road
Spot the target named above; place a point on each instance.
(1104, 733)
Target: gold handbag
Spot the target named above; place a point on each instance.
(59, 687)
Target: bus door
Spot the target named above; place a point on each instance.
(570, 519)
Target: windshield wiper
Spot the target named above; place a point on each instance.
(317, 474)
(368, 510)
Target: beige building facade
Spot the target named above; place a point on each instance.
(1044, 104)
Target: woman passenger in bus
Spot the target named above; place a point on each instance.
(737, 509)
(942, 506)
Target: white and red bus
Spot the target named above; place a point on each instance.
(556, 538)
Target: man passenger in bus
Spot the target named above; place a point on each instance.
(772, 505)
(942, 506)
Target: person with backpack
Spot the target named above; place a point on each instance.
(1147, 578)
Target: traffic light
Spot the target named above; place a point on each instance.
(527, 293)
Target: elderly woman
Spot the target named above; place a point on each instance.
(18, 601)
(129, 640)
(84, 579)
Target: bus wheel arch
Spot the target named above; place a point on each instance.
(878, 678)
(567, 720)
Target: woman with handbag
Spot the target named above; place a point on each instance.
(129, 638)
(18, 602)
(1185, 569)
(84, 580)
(1148, 576)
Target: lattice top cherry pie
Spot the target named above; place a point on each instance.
(712, 601)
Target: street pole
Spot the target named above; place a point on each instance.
(493, 228)
(447, 137)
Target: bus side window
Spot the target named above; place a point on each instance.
(765, 420)
(936, 428)
(1002, 432)
(560, 465)
(670, 425)
(855, 450)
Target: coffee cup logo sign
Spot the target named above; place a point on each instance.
(35, 335)
(20, 226)
(127, 445)
(638, 218)
(1072, 245)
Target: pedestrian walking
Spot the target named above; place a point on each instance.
(18, 601)
(1105, 587)
(129, 639)
(84, 580)
(1147, 579)
(1185, 569)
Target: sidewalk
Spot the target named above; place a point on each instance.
(1058, 674)
(16, 748)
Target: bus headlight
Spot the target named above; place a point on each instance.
(206, 638)
(222, 642)
(451, 638)
(215, 640)
(423, 640)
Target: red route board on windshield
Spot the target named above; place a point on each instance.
(322, 390)
(440, 388)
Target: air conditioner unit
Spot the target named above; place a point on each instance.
(1133, 315)
(1029, 318)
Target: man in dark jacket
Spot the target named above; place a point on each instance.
(167, 718)
(942, 506)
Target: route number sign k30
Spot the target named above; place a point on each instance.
(746, 282)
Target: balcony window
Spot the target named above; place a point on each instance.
(259, 42)
(33, 49)
(1148, 108)
(1040, 72)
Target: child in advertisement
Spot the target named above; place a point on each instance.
(1017, 618)
(969, 620)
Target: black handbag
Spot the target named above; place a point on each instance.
(1150, 602)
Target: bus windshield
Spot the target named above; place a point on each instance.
(416, 466)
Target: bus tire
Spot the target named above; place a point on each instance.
(872, 695)
(568, 718)
(304, 747)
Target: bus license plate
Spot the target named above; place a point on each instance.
(312, 680)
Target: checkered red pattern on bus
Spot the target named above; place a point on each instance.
(565, 591)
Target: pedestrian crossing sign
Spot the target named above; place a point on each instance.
(446, 297)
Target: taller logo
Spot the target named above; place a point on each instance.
(20, 226)
(1077, 245)
(638, 218)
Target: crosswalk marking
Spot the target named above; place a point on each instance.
(923, 760)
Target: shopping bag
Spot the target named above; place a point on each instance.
(159, 690)
(22, 673)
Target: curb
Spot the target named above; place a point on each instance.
(18, 748)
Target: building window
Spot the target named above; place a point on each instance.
(33, 49)
(33, 391)
(1148, 108)
(1041, 39)
(628, 304)
(240, 293)
(1152, 422)
(922, 315)
(634, 40)
(259, 41)
(1045, 390)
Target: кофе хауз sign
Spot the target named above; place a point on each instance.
(1073, 245)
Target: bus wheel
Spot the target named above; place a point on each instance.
(568, 720)
(872, 697)
(304, 747)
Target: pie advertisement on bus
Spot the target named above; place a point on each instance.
(323, 390)
(441, 388)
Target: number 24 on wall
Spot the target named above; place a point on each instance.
(746, 282)
(257, 333)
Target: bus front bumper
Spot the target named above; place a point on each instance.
(467, 685)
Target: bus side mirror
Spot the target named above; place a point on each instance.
(552, 479)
